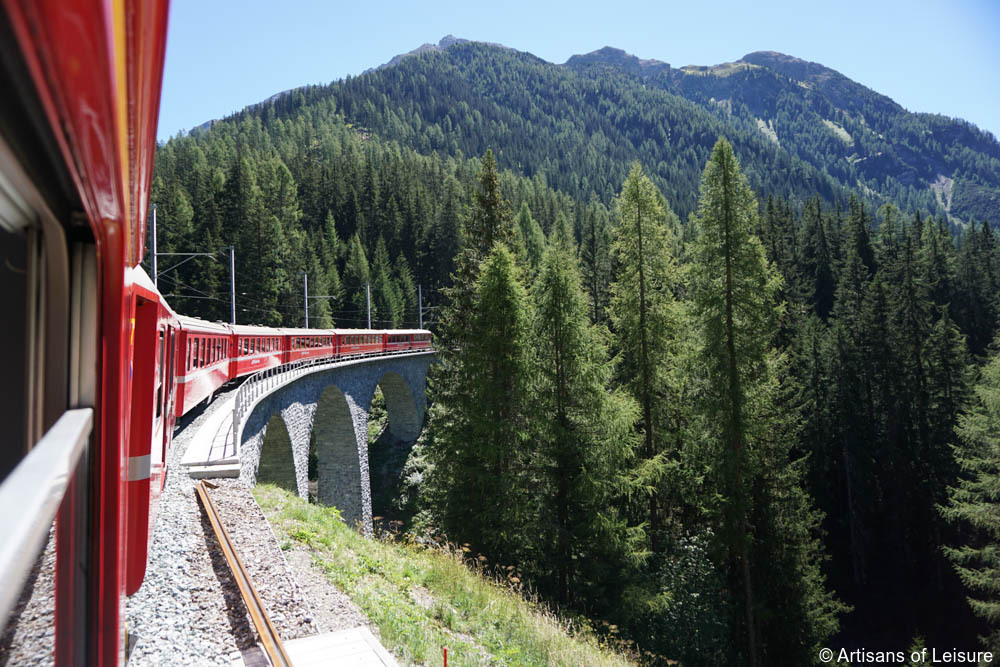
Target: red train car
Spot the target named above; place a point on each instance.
(358, 342)
(309, 344)
(152, 417)
(255, 348)
(403, 340)
(203, 361)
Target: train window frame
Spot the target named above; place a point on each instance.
(160, 374)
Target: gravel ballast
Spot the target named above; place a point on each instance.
(29, 638)
(189, 610)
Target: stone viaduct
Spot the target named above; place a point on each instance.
(331, 403)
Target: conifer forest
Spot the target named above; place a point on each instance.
(725, 400)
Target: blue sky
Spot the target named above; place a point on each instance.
(940, 56)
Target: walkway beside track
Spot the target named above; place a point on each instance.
(211, 452)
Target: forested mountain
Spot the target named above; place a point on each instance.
(799, 128)
(703, 392)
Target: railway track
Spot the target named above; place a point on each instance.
(270, 641)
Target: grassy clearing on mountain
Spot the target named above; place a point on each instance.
(423, 599)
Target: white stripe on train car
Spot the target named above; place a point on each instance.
(181, 379)
(138, 468)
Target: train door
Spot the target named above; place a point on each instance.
(147, 343)
(168, 399)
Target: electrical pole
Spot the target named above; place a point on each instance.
(368, 298)
(420, 306)
(305, 291)
(232, 284)
(155, 274)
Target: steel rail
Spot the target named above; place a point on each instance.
(269, 638)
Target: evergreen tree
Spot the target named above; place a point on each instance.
(481, 427)
(530, 235)
(817, 267)
(583, 444)
(974, 502)
(766, 530)
(488, 223)
(386, 299)
(644, 315)
(357, 278)
(595, 259)
(407, 291)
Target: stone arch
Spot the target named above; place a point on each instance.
(277, 462)
(404, 418)
(341, 431)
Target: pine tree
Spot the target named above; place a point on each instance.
(974, 502)
(483, 376)
(407, 290)
(766, 531)
(481, 427)
(356, 278)
(487, 224)
(386, 299)
(644, 315)
(817, 267)
(583, 444)
(595, 259)
(531, 237)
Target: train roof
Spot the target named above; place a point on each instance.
(141, 278)
(195, 324)
(408, 331)
(292, 331)
(248, 330)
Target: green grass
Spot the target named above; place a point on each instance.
(423, 599)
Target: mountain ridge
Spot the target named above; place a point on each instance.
(831, 134)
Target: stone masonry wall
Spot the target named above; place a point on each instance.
(335, 402)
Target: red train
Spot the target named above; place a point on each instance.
(97, 366)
